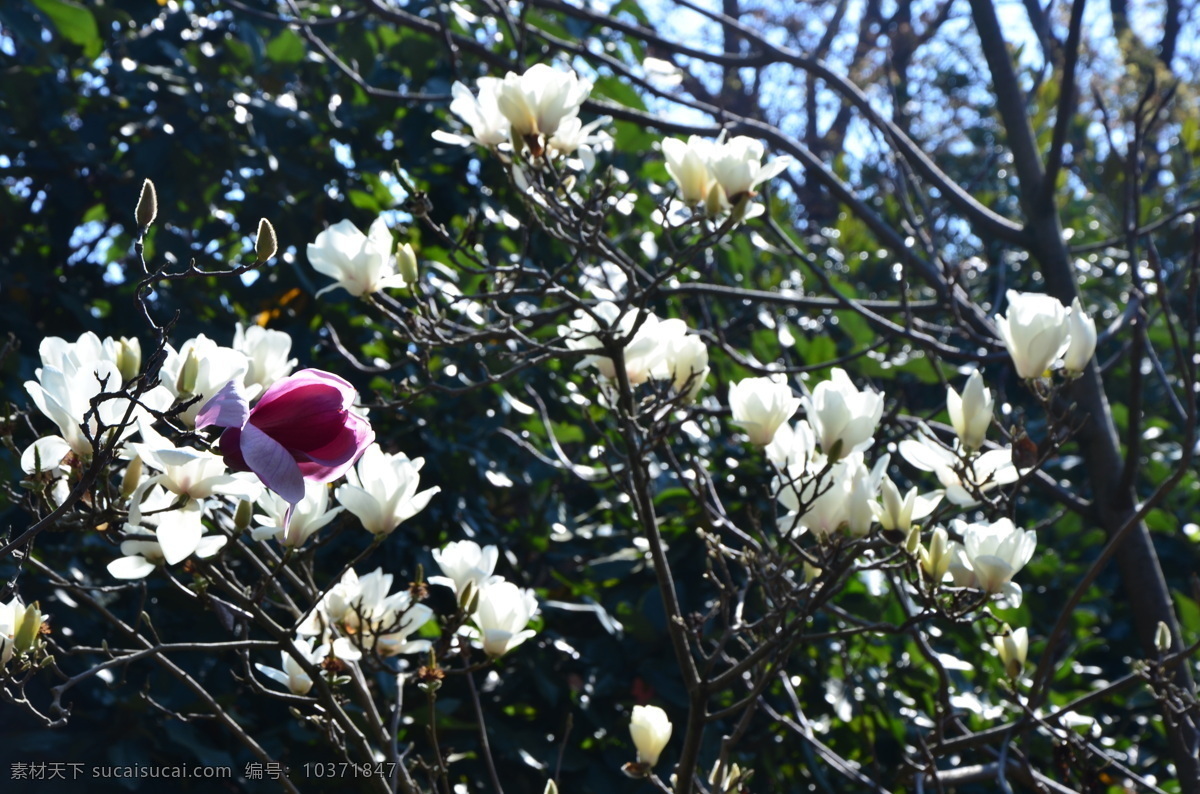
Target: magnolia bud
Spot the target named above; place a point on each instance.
(971, 413)
(714, 203)
(935, 560)
(1083, 340)
(129, 357)
(131, 478)
(186, 382)
(551, 787)
(468, 599)
(651, 730)
(896, 512)
(724, 779)
(147, 206)
(912, 544)
(265, 244)
(241, 517)
(1013, 646)
(1162, 637)
(406, 264)
(28, 627)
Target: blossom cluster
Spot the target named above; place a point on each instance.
(987, 558)
(824, 485)
(719, 176)
(537, 110)
(1038, 332)
(652, 348)
(498, 609)
(302, 432)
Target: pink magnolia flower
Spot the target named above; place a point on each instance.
(301, 429)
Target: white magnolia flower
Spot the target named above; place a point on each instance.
(970, 414)
(841, 499)
(467, 567)
(503, 612)
(685, 363)
(72, 373)
(760, 406)
(489, 127)
(1013, 648)
(737, 167)
(1035, 331)
(1083, 339)
(381, 490)
(645, 350)
(936, 558)
(843, 417)
(687, 163)
(794, 445)
(89, 348)
(144, 550)
(665, 73)
(20, 629)
(266, 351)
(201, 368)
(368, 617)
(960, 479)
(184, 472)
(994, 553)
(292, 675)
(574, 138)
(896, 512)
(360, 263)
(959, 567)
(541, 99)
(651, 730)
(860, 509)
(309, 514)
(126, 354)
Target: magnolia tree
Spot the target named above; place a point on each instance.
(837, 559)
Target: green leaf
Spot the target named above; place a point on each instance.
(619, 91)
(75, 23)
(287, 47)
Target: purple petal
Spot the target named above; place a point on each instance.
(273, 464)
(343, 392)
(231, 449)
(227, 408)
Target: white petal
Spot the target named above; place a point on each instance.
(130, 568)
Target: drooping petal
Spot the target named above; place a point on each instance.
(178, 538)
(45, 454)
(345, 650)
(278, 676)
(130, 568)
(273, 464)
(210, 545)
(226, 408)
